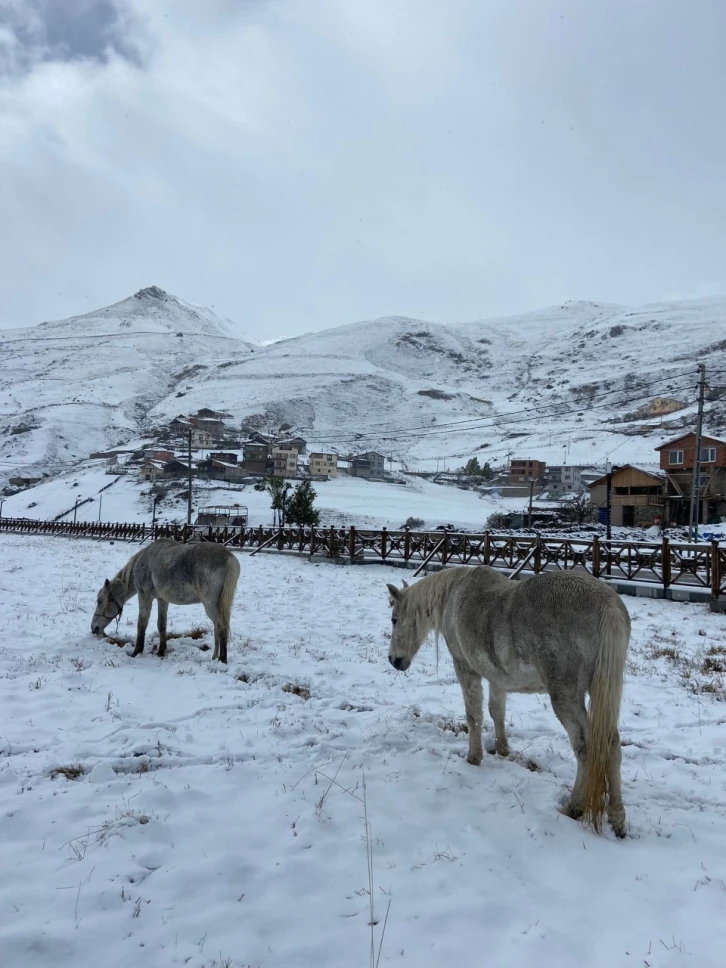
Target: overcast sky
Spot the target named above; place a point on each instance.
(299, 164)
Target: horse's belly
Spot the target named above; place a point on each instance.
(184, 596)
(521, 679)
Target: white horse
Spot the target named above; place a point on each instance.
(561, 633)
(180, 574)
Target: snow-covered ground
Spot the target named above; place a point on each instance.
(346, 500)
(161, 813)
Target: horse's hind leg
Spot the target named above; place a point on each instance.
(570, 710)
(497, 710)
(616, 811)
(220, 632)
(145, 603)
(470, 683)
(162, 609)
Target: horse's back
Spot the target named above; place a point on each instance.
(551, 621)
(175, 570)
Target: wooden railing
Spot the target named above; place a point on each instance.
(664, 563)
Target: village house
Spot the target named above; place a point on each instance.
(368, 465)
(176, 468)
(659, 406)
(523, 471)
(201, 439)
(297, 442)
(255, 457)
(637, 496)
(180, 424)
(224, 470)
(151, 470)
(284, 460)
(226, 456)
(206, 414)
(677, 458)
(159, 455)
(564, 479)
(211, 425)
(323, 467)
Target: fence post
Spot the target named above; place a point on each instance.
(351, 542)
(331, 543)
(595, 556)
(445, 548)
(486, 547)
(406, 545)
(537, 555)
(715, 569)
(384, 536)
(666, 563)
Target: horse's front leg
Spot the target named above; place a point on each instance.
(145, 603)
(470, 683)
(162, 608)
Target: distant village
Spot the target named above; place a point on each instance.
(649, 493)
(641, 495)
(229, 458)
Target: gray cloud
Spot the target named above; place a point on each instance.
(304, 164)
(64, 30)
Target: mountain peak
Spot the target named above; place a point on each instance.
(152, 292)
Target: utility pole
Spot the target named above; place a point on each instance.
(531, 493)
(189, 477)
(609, 497)
(694, 515)
(100, 505)
(75, 510)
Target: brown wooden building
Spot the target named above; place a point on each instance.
(521, 471)
(637, 496)
(677, 458)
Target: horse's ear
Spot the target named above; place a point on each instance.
(405, 583)
(107, 584)
(394, 593)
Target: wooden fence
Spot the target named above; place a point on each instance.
(664, 563)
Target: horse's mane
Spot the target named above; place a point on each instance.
(428, 598)
(124, 576)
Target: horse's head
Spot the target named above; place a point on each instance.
(405, 633)
(108, 607)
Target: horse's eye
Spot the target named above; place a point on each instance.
(393, 620)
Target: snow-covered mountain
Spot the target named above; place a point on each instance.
(78, 385)
(567, 383)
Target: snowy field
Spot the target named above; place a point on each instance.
(177, 812)
(346, 500)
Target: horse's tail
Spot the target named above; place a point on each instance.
(228, 588)
(605, 691)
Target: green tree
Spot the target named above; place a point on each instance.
(301, 506)
(473, 468)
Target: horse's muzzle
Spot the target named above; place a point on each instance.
(399, 663)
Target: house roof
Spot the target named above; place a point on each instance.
(660, 477)
(677, 440)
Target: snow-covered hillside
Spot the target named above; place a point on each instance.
(71, 387)
(563, 384)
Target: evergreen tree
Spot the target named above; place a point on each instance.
(301, 506)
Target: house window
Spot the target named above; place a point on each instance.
(675, 456)
(708, 455)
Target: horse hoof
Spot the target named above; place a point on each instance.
(474, 759)
(567, 810)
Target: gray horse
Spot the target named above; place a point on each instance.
(561, 633)
(180, 574)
